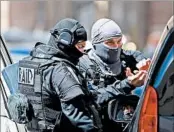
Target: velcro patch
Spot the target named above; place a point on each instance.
(26, 76)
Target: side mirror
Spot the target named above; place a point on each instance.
(122, 108)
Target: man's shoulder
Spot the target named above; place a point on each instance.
(64, 67)
(60, 65)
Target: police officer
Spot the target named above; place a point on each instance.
(110, 68)
(53, 85)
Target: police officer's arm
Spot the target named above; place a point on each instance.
(111, 91)
(72, 99)
(120, 87)
(127, 85)
(79, 116)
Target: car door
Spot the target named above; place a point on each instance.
(155, 110)
(6, 124)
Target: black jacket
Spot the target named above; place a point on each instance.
(101, 77)
(64, 89)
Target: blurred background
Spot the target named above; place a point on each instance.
(23, 23)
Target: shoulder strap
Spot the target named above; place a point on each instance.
(55, 59)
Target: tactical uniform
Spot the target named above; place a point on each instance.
(55, 89)
(101, 78)
(105, 66)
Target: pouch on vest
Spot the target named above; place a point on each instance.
(30, 84)
(20, 108)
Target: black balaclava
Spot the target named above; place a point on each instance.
(102, 30)
(79, 35)
(107, 54)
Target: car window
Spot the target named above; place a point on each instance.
(164, 83)
(166, 102)
(163, 76)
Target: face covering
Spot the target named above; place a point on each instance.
(107, 54)
(111, 56)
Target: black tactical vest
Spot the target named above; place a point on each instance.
(33, 79)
